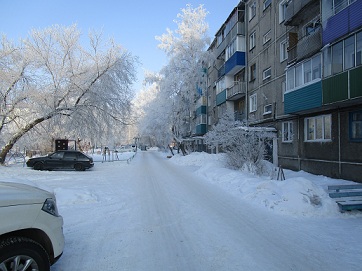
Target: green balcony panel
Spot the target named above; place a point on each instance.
(355, 76)
(335, 88)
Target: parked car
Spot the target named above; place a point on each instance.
(62, 160)
(31, 229)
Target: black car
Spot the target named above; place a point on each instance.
(62, 160)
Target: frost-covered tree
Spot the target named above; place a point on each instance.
(152, 112)
(50, 76)
(181, 77)
(245, 146)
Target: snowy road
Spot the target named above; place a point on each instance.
(153, 215)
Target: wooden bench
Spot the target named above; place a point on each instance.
(348, 196)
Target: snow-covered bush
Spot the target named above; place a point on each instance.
(245, 146)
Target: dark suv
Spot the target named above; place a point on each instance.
(62, 160)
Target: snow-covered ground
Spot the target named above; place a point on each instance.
(193, 213)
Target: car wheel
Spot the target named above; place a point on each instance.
(79, 167)
(39, 166)
(18, 253)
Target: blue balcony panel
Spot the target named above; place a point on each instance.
(235, 63)
(344, 22)
(303, 99)
(221, 97)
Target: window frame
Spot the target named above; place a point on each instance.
(283, 50)
(252, 72)
(287, 136)
(266, 107)
(267, 37)
(266, 4)
(267, 73)
(252, 10)
(316, 121)
(253, 103)
(252, 40)
(282, 9)
(351, 122)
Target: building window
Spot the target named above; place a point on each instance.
(318, 128)
(343, 55)
(267, 109)
(252, 10)
(359, 49)
(267, 37)
(266, 3)
(337, 58)
(287, 131)
(312, 27)
(355, 126)
(349, 61)
(252, 38)
(304, 73)
(267, 73)
(282, 10)
(252, 72)
(253, 103)
(283, 50)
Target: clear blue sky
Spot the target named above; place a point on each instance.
(133, 24)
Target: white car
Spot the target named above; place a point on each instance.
(31, 230)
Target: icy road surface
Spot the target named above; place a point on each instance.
(153, 215)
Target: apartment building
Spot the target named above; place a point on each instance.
(295, 66)
(324, 89)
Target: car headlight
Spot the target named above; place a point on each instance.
(50, 207)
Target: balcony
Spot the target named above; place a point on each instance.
(295, 10)
(305, 47)
(345, 21)
(237, 91)
(343, 87)
(221, 71)
(221, 97)
(303, 99)
(235, 63)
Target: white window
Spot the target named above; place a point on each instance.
(252, 10)
(266, 3)
(268, 109)
(304, 73)
(253, 103)
(287, 131)
(282, 10)
(318, 128)
(267, 73)
(283, 50)
(267, 37)
(252, 38)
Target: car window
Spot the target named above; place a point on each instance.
(57, 155)
(70, 155)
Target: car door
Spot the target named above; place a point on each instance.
(70, 158)
(55, 160)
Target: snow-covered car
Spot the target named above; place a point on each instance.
(62, 160)
(31, 229)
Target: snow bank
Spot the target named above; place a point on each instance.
(301, 194)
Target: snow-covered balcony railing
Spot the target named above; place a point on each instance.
(237, 91)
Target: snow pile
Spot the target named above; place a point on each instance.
(75, 196)
(300, 194)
